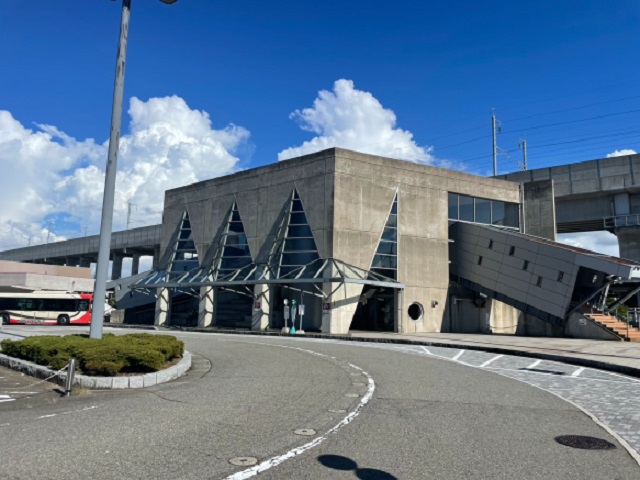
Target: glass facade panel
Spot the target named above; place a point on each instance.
(298, 247)
(185, 255)
(299, 231)
(385, 260)
(497, 213)
(293, 244)
(390, 234)
(233, 250)
(453, 206)
(511, 215)
(466, 208)
(298, 258)
(388, 248)
(483, 210)
(298, 218)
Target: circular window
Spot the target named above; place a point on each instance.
(415, 311)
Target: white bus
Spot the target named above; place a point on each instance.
(63, 308)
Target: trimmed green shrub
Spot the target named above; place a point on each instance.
(135, 353)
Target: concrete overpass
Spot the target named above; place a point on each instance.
(82, 252)
(602, 194)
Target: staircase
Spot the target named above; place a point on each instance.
(614, 325)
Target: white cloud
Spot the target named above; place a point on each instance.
(621, 153)
(48, 174)
(600, 242)
(354, 119)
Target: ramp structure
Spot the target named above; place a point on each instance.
(546, 279)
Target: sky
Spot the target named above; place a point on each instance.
(216, 87)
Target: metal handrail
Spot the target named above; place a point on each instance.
(622, 221)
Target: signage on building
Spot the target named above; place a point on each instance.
(326, 306)
(257, 307)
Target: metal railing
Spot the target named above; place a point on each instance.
(622, 221)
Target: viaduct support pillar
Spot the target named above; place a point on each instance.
(629, 242)
(116, 268)
(135, 264)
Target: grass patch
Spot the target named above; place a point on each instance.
(112, 355)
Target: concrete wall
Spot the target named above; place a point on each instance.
(261, 195)
(539, 209)
(365, 186)
(56, 270)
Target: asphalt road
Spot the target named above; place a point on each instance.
(378, 412)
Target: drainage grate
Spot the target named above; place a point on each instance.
(584, 442)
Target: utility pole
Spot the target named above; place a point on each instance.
(494, 123)
(129, 205)
(523, 144)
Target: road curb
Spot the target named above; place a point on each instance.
(572, 360)
(100, 383)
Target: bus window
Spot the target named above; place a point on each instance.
(83, 305)
(26, 304)
(8, 304)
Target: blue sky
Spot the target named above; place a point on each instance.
(419, 81)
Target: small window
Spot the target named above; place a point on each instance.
(490, 244)
(539, 282)
(525, 265)
(479, 260)
(512, 250)
(560, 276)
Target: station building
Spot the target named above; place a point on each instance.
(363, 242)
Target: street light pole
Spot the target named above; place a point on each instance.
(97, 310)
(102, 268)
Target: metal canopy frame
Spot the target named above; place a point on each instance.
(321, 270)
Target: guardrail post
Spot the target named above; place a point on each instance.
(71, 373)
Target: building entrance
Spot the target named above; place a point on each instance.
(375, 310)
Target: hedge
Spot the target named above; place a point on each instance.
(113, 354)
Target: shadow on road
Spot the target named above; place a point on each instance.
(338, 462)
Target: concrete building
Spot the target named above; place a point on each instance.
(361, 241)
(25, 277)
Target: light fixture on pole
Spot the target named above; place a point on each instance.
(97, 310)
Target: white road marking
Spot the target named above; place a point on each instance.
(272, 462)
(21, 393)
(577, 372)
(534, 364)
(491, 360)
(426, 350)
(5, 396)
(7, 400)
(48, 416)
(458, 355)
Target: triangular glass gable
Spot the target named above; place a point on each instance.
(296, 246)
(385, 260)
(185, 255)
(233, 251)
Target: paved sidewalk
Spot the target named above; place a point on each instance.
(623, 357)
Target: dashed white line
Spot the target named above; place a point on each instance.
(272, 462)
(7, 399)
(491, 360)
(534, 364)
(458, 355)
(48, 416)
(577, 372)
